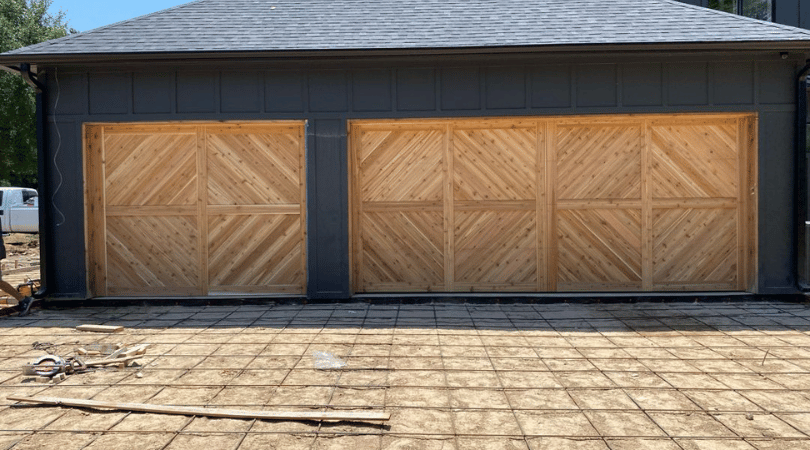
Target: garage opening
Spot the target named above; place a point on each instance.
(185, 209)
(628, 203)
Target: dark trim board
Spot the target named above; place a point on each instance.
(327, 94)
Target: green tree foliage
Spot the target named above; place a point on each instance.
(724, 5)
(758, 9)
(22, 23)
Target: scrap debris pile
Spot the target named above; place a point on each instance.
(54, 368)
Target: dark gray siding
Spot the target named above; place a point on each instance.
(327, 94)
(792, 12)
(795, 13)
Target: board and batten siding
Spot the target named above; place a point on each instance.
(327, 94)
(795, 13)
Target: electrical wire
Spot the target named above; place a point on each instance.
(56, 153)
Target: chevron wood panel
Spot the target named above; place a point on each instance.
(263, 251)
(695, 247)
(496, 250)
(254, 169)
(197, 208)
(149, 253)
(495, 164)
(598, 161)
(598, 249)
(400, 165)
(150, 169)
(402, 251)
(695, 160)
(631, 203)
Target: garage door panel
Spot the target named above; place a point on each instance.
(496, 250)
(193, 208)
(695, 247)
(694, 161)
(599, 161)
(265, 251)
(150, 170)
(266, 166)
(403, 250)
(149, 253)
(600, 247)
(401, 165)
(494, 164)
(254, 209)
(606, 203)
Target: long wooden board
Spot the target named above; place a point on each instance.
(605, 203)
(192, 209)
(353, 416)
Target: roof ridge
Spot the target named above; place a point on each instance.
(737, 16)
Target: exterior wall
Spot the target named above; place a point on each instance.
(795, 13)
(792, 12)
(328, 93)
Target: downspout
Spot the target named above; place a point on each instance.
(44, 238)
(802, 183)
(30, 78)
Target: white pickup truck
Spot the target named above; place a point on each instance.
(19, 210)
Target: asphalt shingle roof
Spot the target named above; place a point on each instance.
(317, 25)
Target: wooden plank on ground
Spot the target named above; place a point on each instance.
(101, 328)
(207, 412)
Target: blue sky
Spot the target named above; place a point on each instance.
(84, 15)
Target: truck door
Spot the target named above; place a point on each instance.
(26, 214)
(3, 214)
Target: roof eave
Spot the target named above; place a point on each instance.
(74, 58)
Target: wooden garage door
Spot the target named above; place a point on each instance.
(195, 209)
(601, 203)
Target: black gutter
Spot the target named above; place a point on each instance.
(802, 175)
(246, 55)
(45, 238)
(30, 78)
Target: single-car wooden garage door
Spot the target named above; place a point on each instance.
(195, 209)
(598, 203)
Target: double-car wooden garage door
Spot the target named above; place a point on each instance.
(598, 203)
(195, 209)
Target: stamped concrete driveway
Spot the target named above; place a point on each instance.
(453, 375)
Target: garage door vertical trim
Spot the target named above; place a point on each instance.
(202, 205)
(449, 212)
(94, 207)
(646, 214)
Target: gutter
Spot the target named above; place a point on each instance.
(802, 182)
(10, 59)
(24, 70)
